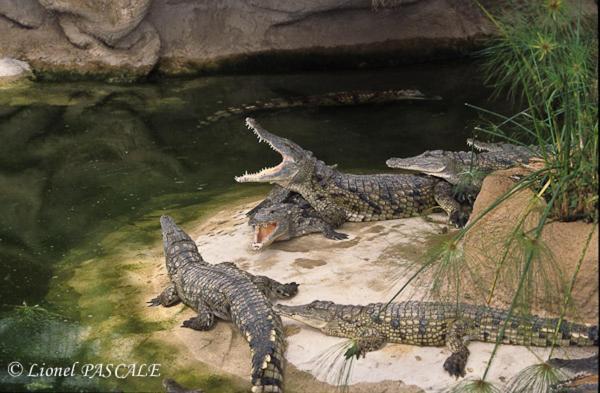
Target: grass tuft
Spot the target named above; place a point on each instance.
(333, 366)
(535, 379)
(546, 60)
(474, 386)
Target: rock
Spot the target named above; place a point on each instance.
(25, 13)
(135, 55)
(107, 20)
(233, 34)
(562, 245)
(202, 36)
(12, 70)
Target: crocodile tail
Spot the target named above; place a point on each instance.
(268, 359)
(263, 330)
(579, 334)
(569, 334)
(178, 246)
(218, 115)
(245, 109)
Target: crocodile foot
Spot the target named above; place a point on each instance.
(333, 235)
(459, 218)
(154, 302)
(287, 290)
(205, 320)
(167, 298)
(455, 364)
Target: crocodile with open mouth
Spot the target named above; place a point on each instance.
(340, 98)
(284, 215)
(339, 197)
(224, 291)
(434, 324)
(460, 167)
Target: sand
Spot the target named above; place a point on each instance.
(367, 267)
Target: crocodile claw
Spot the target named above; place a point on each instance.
(455, 365)
(287, 290)
(333, 235)
(154, 302)
(459, 219)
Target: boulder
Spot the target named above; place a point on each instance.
(560, 249)
(12, 70)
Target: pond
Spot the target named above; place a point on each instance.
(81, 162)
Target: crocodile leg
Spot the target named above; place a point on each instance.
(275, 289)
(205, 319)
(167, 298)
(369, 340)
(271, 288)
(444, 197)
(330, 233)
(326, 229)
(456, 341)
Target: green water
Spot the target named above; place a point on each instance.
(83, 160)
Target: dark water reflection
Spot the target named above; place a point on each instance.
(80, 160)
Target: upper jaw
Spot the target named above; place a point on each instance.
(265, 175)
(285, 170)
(298, 313)
(410, 164)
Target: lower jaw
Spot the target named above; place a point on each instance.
(257, 246)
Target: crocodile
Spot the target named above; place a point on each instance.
(224, 291)
(338, 197)
(455, 166)
(434, 324)
(284, 215)
(340, 98)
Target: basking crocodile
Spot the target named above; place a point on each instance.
(340, 98)
(284, 215)
(338, 197)
(454, 166)
(433, 324)
(226, 292)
